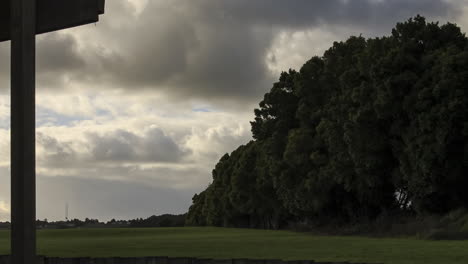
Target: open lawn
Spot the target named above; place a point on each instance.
(242, 243)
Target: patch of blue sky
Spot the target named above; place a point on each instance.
(202, 110)
(46, 117)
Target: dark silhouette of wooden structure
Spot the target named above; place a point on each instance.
(20, 21)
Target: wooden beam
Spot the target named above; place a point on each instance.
(23, 172)
(5, 17)
(55, 15)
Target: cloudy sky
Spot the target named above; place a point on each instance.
(134, 111)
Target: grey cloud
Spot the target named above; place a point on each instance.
(58, 60)
(96, 197)
(217, 48)
(113, 148)
(121, 200)
(120, 167)
(306, 13)
(58, 52)
(4, 191)
(4, 67)
(208, 49)
(57, 154)
(117, 146)
(122, 145)
(171, 177)
(4, 215)
(172, 46)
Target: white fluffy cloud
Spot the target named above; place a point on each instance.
(91, 138)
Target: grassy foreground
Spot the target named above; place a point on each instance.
(241, 243)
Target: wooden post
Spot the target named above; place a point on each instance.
(23, 174)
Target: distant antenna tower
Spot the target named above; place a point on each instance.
(66, 211)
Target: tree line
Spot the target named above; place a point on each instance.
(164, 220)
(373, 126)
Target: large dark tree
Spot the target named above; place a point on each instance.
(375, 125)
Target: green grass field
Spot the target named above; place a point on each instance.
(242, 243)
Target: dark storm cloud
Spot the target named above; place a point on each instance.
(175, 47)
(306, 13)
(205, 48)
(58, 53)
(217, 48)
(57, 57)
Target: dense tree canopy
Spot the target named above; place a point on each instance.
(374, 125)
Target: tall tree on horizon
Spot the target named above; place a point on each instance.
(373, 126)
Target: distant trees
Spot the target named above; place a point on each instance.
(165, 220)
(375, 125)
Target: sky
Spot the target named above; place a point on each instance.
(133, 112)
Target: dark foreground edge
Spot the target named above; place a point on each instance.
(167, 260)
